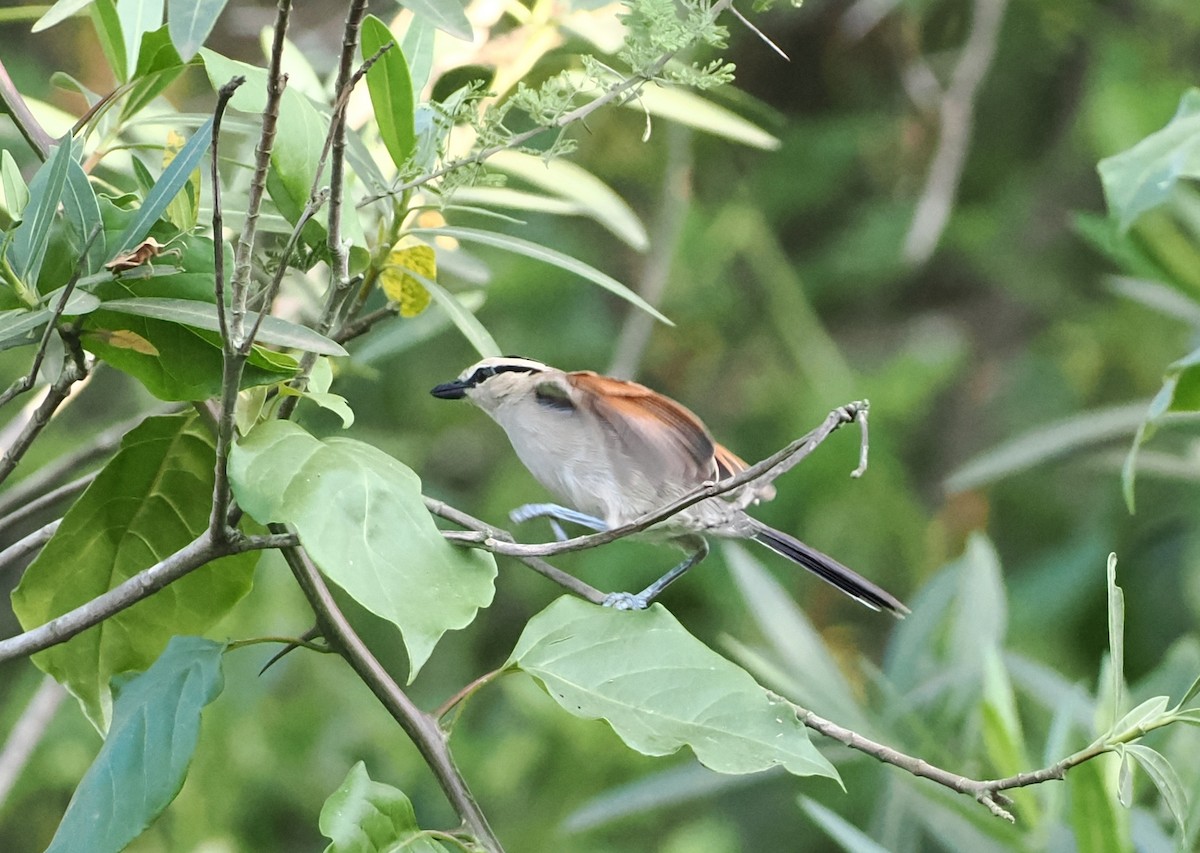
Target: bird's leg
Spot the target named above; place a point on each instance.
(556, 514)
(629, 601)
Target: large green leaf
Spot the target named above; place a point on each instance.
(158, 65)
(203, 315)
(58, 13)
(137, 17)
(174, 362)
(391, 89)
(144, 759)
(447, 15)
(151, 499)
(364, 816)
(360, 514)
(660, 689)
(1146, 175)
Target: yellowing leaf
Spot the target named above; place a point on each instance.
(126, 339)
(402, 288)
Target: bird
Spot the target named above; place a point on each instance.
(613, 450)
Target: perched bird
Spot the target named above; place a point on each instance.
(613, 451)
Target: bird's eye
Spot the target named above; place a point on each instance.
(482, 374)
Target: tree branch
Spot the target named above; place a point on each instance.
(422, 728)
(201, 550)
(764, 472)
(22, 548)
(71, 373)
(28, 732)
(957, 112)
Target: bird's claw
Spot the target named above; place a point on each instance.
(625, 601)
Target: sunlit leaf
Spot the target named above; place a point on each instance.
(150, 500)
(58, 13)
(550, 256)
(190, 22)
(397, 282)
(138, 17)
(1116, 636)
(447, 15)
(364, 816)
(145, 758)
(361, 516)
(661, 689)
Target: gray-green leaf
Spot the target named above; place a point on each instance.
(364, 816)
(660, 689)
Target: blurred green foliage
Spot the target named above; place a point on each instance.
(789, 296)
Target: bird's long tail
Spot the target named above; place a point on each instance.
(829, 569)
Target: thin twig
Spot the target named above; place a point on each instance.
(55, 395)
(24, 383)
(50, 499)
(580, 588)
(200, 551)
(27, 733)
(36, 484)
(986, 791)
(618, 91)
(361, 325)
(422, 728)
(763, 472)
(224, 94)
(957, 111)
(22, 548)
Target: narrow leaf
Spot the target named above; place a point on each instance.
(137, 17)
(661, 689)
(173, 179)
(150, 500)
(460, 315)
(190, 22)
(203, 315)
(391, 90)
(541, 253)
(14, 194)
(1164, 777)
(845, 834)
(108, 32)
(1116, 636)
(58, 13)
(29, 241)
(364, 816)
(570, 181)
(1147, 712)
(360, 514)
(447, 15)
(83, 212)
(145, 758)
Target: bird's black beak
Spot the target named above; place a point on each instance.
(455, 390)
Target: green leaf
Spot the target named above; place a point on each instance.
(137, 17)
(980, 613)
(158, 66)
(391, 89)
(185, 362)
(1180, 392)
(150, 500)
(575, 184)
(845, 834)
(29, 241)
(83, 212)
(688, 108)
(1045, 443)
(418, 47)
(1191, 692)
(1145, 713)
(173, 179)
(190, 22)
(144, 760)
(203, 315)
(58, 13)
(14, 194)
(108, 32)
(467, 323)
(363, 816)
(541, 253)
(1098, 825)
(1164, 777)
(361, 516)
(661, 689)
(447, 15)
(1145, 176)
(16, 325)
(1116, 637)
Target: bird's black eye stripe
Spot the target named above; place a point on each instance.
(488, 372)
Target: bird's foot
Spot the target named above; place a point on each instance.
(625, 601)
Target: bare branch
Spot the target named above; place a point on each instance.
(422, 728)
(71, 373)
(765, 472)
(956, 114)
(28, 732)
(22, 548)
(201, 550)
